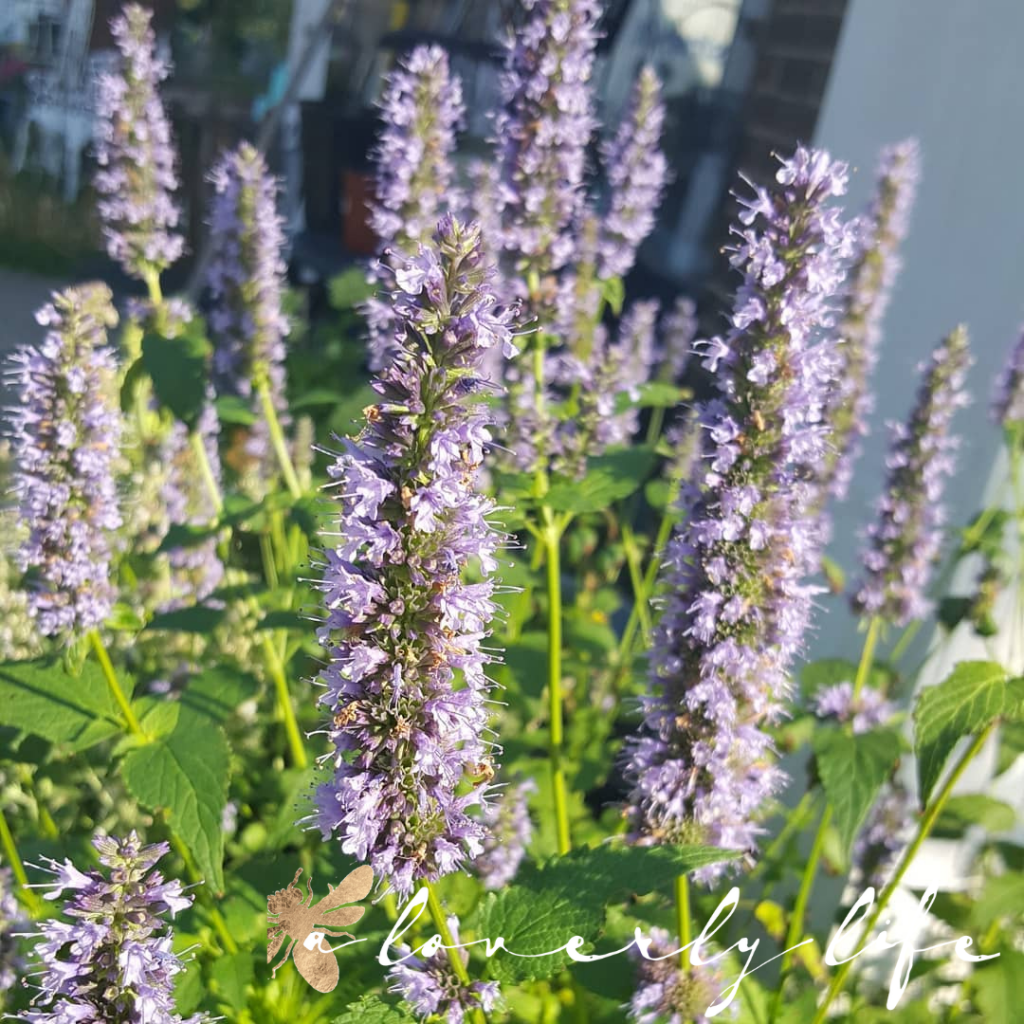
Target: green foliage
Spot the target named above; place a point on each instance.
(973, 695)
(609, 478)
(852, 770)
(373, 1010)
(178, 368)
(185, 775)
(39, 697)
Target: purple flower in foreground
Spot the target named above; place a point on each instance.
(422, 110)
(875, 269)
(637, 172)
(66, 432)
(870, 710)
(508, 819)
(1008, 400)
(431, 987)
(667, 994)
(136, 178)
(738, 601)
(904, 540)
(110, 961)
(400, 622)
(246, 279)
(543, 130)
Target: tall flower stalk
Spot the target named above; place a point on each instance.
(542, 132)
(1008, 397)
(113, 960)
(904, 539)
(406, 685)
(875, 269)
(738, 600)
(136, 178)
(422, 111)
(637, 172)
(66, 431)
(246, 279)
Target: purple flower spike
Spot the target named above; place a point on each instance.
(422, 110)
(432, 988)
(637, 172)
(1008, 400)
(411, 749)
(114, 959)
(890, 826)
(137, 179)
(876, 266)
(738, 601)
(67, 430)
(508, 818)
(246, 280)
(904, 540)
(836, 702)
(666, 994)
(543, 130)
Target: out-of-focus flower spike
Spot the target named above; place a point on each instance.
(66, 433)
(1008, 398)
(871, 279)
(637, 172)
(904, 540)
(137, 178)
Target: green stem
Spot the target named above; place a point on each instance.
(96, 641)
(216, 918)
(905, 640)
(683, 917)
(796, 921)
(931, 815)
(640, 598)
(29, 898)
(284, 700)
(552, 542)
(277, 439)
(195, 440)
(441, 924)
(867, 658)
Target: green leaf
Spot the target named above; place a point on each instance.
(969, 699)
(655, 394)
(568, 896)
(348, 289)
(235, 411)
(218, 692)
(39, 697)
(178, 369)
(186, 775)
(613, 291)
(283, 619)
(1001, 899)
(974, 809)
(232, 974)
(188, 989)
(610, 478)
(826, 672)
(123, 618)
(315, 399)
(999, 987)
(197, 619)
(373, 1010)
(184, 535)
(852, 769)
(659, 493)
